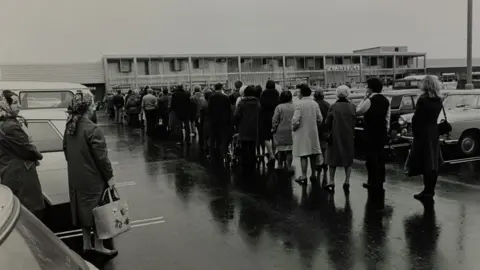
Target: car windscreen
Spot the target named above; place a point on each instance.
(45, 99)
(461, 101)
(31, 245)
(44, 137)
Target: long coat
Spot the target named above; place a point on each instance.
(425, 151)
(305, 121)
(341, 120)
(89, 169)
(269, 100)
(282, 124)
(18, 158)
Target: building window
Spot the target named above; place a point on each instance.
(373, 61)
(338, 60)
(356, 60)
(196, 63)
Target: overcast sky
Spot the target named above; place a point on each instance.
(83, 30)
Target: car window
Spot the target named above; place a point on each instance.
(407, 103)
(30, 245)
(60, 125)
(45, 99)
(44, 137)
(461, 101)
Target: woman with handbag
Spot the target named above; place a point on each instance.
(425, 155)
(89, 169)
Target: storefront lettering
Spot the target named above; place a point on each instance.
(342, 68)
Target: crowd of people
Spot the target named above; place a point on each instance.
(246, 121)
(250, 124)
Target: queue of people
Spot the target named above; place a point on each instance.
(236, 126)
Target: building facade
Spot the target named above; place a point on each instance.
(323, 70)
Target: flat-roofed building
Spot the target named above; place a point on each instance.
(323, 70)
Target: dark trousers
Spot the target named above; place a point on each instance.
(248, 156)
(165, 118)
(178, 125)
(219, 139)
(375, 163)
(133, 120)
(111, 113)
(430, 181)
(151, 118)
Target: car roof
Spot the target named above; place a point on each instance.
(44, 114)
(7, 203)
(464, 92)
(39, 86)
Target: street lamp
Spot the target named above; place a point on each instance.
(469, 84)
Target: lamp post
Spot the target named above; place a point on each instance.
(469, 84)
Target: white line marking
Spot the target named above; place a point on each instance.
(124, 184)
(133, 226)
(147, 224)
(133, 222)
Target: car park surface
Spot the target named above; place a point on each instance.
(189, 214)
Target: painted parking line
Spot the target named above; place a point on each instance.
(125, 184)
(135, 224)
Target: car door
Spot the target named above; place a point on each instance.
(52, 171)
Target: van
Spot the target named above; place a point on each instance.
(46, 95)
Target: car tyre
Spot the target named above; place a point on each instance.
(469, 143)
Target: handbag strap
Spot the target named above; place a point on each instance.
(109, 192)
(444, 113)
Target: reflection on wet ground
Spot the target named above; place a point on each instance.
(214, 219)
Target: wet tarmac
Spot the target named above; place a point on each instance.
(189, 214)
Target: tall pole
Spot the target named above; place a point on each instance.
(469, 84)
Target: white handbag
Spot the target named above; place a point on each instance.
(112, 217)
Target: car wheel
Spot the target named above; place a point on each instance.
(469, 144)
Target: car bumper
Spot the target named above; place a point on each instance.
(442, 140)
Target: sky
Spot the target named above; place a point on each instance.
(68, 31)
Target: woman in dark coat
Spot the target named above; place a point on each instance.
(132, 108)
(246, 120)
(341, 119)
(269, 100)
(19, 158)
(425, 152)
(89, 169)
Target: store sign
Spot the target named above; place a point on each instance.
(342, 68)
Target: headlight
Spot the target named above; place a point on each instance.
(401, 121)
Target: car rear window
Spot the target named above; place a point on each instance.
(45, 137)
(45, 99)
(32, 246)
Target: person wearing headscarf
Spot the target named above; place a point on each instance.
(18, 156)
(90, 172)
(340, 122)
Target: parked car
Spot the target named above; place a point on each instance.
(47, 95)
(25, 243)
(401, 102)
(462, 108)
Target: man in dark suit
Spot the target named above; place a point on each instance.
(180, 108)
(221, 125)
(376, 111)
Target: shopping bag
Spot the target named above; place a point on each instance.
(111, 217)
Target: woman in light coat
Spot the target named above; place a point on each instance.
(89, 169)
(306, 144)
(341, 120)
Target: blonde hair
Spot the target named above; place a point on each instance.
(431, 86)
(343, 91)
